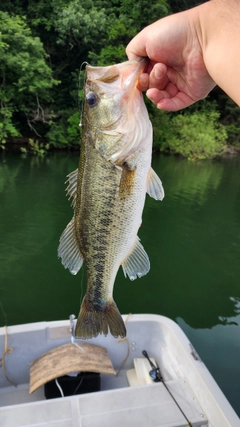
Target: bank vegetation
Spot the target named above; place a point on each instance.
(42, 46)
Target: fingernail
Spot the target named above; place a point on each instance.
(158, 73)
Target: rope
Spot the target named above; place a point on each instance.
(7, 350)
(128, 344)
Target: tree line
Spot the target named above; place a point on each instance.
(42, 46)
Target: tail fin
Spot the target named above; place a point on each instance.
(92, 322)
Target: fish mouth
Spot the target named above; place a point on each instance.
(138, 65)
(131, 70)
(128, 72)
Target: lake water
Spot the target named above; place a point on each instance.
(192, 239)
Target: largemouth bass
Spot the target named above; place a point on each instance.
(108, 191)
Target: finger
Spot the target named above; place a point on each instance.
(135, 53)
(158, 76)
(155, 77)
(156, 95)
(179, 102)
(137, 46)
(169, 100)
(143, 82)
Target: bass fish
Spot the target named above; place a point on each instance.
(108, 192)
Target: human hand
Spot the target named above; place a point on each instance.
(176, 76)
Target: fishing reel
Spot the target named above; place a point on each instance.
(155, 373)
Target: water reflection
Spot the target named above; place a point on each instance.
(236, 311)
(7, 175)
(194, 179)
(219, 348)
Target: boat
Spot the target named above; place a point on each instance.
(152, 378)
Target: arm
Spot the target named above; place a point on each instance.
(219, 22)
(189, 53)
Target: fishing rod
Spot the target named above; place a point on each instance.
(156, 376)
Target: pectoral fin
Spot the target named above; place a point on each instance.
(137, 263)
(155, 187)
(68, 249)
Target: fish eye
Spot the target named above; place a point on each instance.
(91, 99)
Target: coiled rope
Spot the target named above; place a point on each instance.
(7, 350)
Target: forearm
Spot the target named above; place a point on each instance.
(218, 27)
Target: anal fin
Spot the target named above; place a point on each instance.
(68, 249)
(137, 264)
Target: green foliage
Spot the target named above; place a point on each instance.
(66, 131)
(24, 73)
(80, 22)
(57, 135)
(230, 118)
(23, 60)
(141, 13)
(73, 129)
(36, 147)
(233, 134)
(6, 126)
(42, 46)
(109, 55)
(178, 6)
(124, 20)
(196, 136)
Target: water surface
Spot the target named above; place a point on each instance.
(192, 239)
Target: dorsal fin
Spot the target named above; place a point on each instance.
(72, 187)
(68, 249)
(137, 263)
(155, 187)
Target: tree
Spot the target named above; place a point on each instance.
(197, 136)
(44, 43)
(124, 20)
(25, 77)
(178, 6)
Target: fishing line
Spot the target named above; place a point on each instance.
(81, 284)
(81, 102)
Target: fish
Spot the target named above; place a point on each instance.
(108, 192)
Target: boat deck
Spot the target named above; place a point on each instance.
(150, 405)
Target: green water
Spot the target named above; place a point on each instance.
(192, 238)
